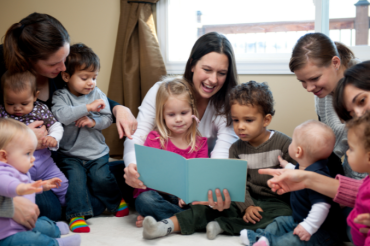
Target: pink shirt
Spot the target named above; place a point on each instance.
(152, 140)
(362, 206)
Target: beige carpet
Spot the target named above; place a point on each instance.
(109, 230)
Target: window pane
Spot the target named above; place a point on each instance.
(347, 25)
(253, 27)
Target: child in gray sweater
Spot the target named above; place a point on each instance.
(84, 111)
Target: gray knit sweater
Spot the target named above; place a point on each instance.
(84, 143)
(263, 156)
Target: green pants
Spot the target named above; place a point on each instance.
(231, 220)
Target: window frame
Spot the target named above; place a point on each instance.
(257, 63)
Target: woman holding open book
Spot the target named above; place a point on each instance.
(211, 72)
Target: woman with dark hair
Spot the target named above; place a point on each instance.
(39, 43)
(319, 63)
(211, 71)
(351, 99)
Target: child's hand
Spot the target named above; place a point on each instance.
(301, 233)
(283, 162)
(49, 141)
(26, 189)
(181, 203)
(85, 121)
(96, 105)
(51, 184)
(252, 214)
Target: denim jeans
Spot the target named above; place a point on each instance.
(91, 175)
(159, 206)
(116, 167)
(280, 232)
(43, 234)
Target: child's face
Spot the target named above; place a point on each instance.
(177, 115)
(249, 123)
(19, 152)
(19, 103)
(82, 82)
(357, 155)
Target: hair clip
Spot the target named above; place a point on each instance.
(195, 118)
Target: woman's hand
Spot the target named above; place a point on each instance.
(285, 180)
(25, 212)
(132, 177)
(39, 132)
(221, 204)
(363, 219)
(125, 121)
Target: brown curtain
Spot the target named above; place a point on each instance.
(137, 63)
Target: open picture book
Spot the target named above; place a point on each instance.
(190, 179)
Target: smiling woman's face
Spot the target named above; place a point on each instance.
(356, 101)
(321, 81)
(51, 67)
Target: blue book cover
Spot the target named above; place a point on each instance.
(190, 179)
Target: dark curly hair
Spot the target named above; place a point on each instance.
(251, 93)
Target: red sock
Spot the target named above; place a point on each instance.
(122, 209)
(78, 224)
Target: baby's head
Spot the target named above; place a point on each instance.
(17, 144)
(82, 68)
(175, 110)
(312, 141)
(250, 109)
(20, 92)
(358, 154)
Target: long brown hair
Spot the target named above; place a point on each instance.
(214, 42)
(320, 49)
(34, 38)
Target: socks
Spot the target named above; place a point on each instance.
(78, 224)
(73, 240)
(262, 242)
(213, 229)
(63, 227)
(244, 237)
(153, 229)
(122, 209)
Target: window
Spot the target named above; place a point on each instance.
(262, 33)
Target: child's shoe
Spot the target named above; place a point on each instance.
(79, 225)
(122, 209)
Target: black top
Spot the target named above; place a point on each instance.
(54, 84)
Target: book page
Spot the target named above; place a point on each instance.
(210, 174)
(162, 170)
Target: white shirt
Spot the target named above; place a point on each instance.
(220, 137)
